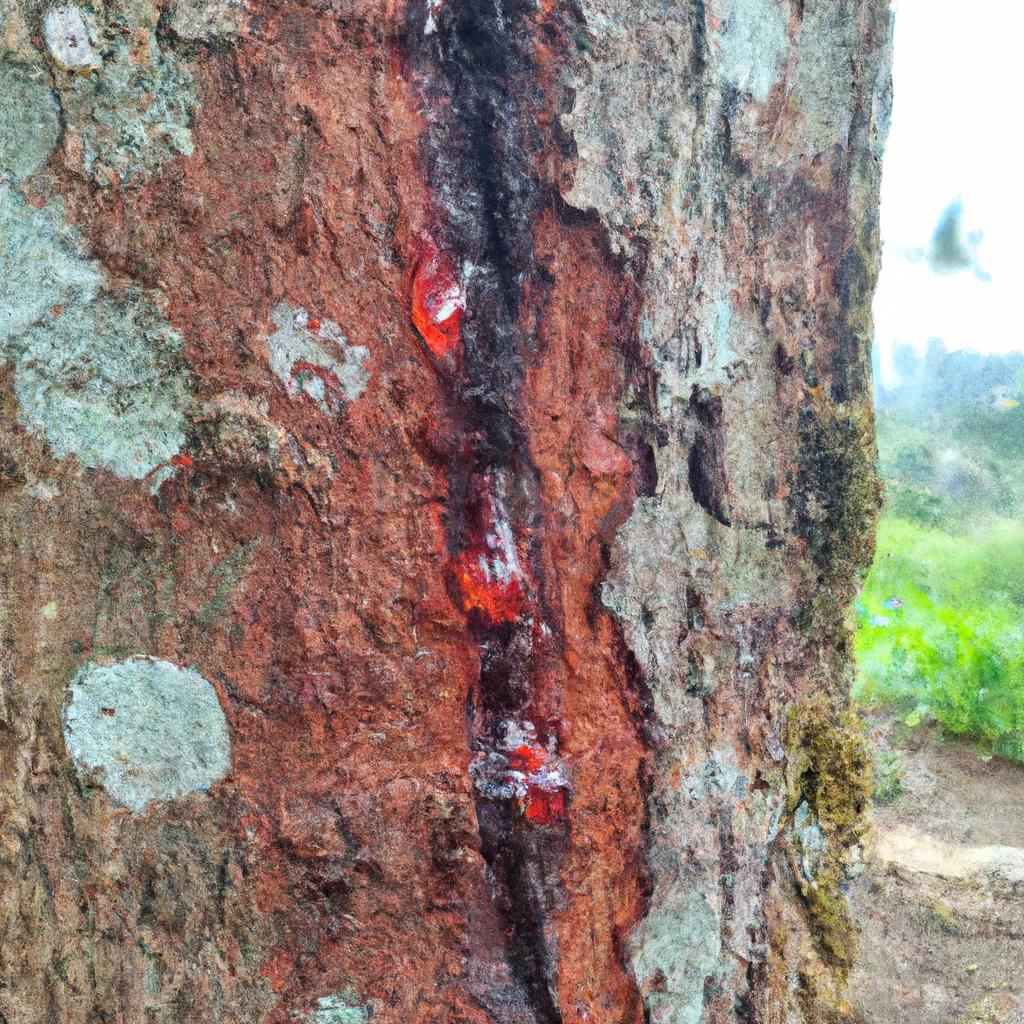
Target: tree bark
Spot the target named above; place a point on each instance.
(436, 465)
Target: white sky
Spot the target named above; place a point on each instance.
(957, 130)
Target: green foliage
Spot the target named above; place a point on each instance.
(951, 439)
(941, 619)
(955, 649)
(888, 774)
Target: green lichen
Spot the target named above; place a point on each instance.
(338, 1009)
(889, 769)
(134, 112)
(830, 771)
(821, 1000)
(983, 1012)
(28, 120)
(836, 492)
(100, 377)
(941, 918)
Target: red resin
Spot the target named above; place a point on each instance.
(527, 759)
(498, 600)
(438, 301)
(530, 776)
(181, 460)
(488, 570)
(543, 806)
(544, 800)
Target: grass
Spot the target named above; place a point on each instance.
(941, 629)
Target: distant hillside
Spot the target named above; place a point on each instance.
(951, 438)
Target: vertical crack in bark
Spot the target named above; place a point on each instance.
(473, 71)
(706, 465)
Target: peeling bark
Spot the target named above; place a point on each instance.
(471, 401)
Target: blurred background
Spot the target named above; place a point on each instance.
(941, 619)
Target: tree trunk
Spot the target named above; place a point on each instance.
(435, 470)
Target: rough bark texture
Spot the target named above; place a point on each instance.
(435, 467)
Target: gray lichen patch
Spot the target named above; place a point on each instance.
(42, 265)
(99, 377)
(133, 112)
(316, 359)
(203, 20)
(680, 950)
(825, 74)
(146, 730)
(126, 96)
(112, 404)
(808, 840)
(649, 80)
(675, 951)
(632, 118)
(752, 43)
(29, 123)
(649, 603)
(338, 1009)
(67, 38)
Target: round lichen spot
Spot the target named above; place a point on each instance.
(104, 382)
(28, 120)
(146, 730)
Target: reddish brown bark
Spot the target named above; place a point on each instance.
(408, 574)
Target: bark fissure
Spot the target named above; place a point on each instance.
(477, 152)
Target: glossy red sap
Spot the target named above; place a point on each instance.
(488, 587)
(543, 806)
(490, 577)
(544, 800)
(438, 300)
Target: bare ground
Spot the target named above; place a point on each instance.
(941, 898)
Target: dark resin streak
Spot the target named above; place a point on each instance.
(478, 89)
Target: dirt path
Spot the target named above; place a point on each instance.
(941, 900)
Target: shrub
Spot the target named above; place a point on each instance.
(941, 629)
